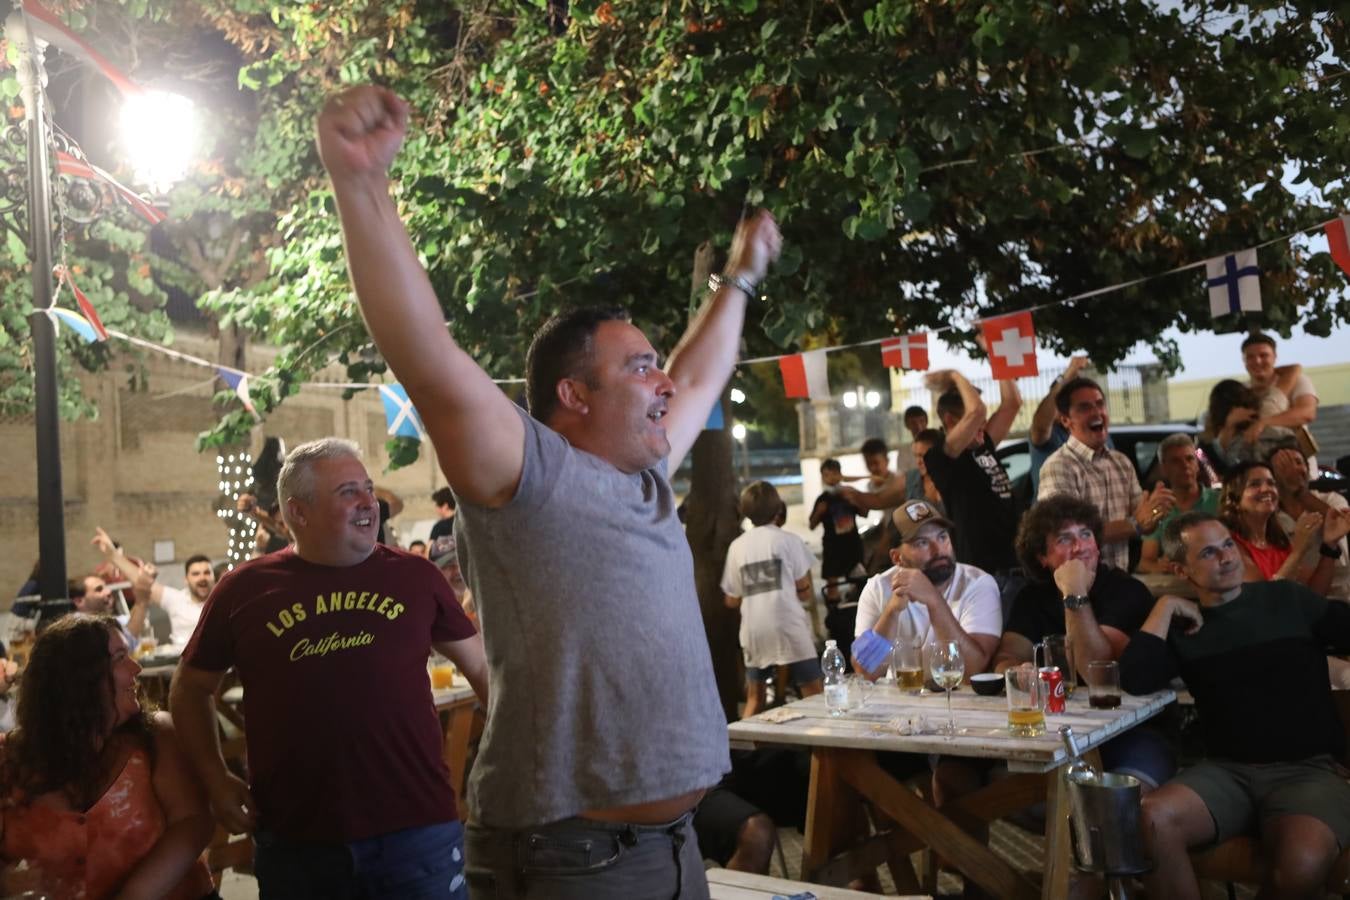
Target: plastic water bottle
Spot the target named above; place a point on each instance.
(836, 688)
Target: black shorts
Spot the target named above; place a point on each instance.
(717, 822)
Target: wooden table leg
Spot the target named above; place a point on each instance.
(1057, 840)
(458, 731)
(859, 769)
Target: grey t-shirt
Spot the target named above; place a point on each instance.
(602, 690)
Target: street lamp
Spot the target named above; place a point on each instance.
(28, 51)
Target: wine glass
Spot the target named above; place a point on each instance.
(948, 668)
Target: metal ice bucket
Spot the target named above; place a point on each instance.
(1104, 811)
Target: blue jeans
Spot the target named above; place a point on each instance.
(414, 864)
(584, 859)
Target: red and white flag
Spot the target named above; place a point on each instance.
(1339, 243)
(1012, 345)
(909, 352)
(46, 25)
(67, 164)
(804, 375)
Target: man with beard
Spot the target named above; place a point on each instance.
(184, 608)
(1252, 656)
(1086, 467)
(928, 596)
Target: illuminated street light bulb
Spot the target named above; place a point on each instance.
(738, 431)
(873, 399)
(737, 395)
(850, 399)
(159, 132)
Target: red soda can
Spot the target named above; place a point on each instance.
(1054, 688)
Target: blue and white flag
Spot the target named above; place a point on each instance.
(1234, 283)
(75, 322)
(238, 382)
(400, 417)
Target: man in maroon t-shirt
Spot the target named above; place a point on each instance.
(348, 792)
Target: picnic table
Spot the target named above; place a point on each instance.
(726, 884)
(844, 772)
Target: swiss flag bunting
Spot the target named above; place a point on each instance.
(909, 352)
(804, 375)
(1012, 345)
(1338, 243)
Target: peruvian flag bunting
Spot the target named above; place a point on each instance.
(1012, 345)
(804, 375)
(909, 352)
(86, 307)
(1338, 243)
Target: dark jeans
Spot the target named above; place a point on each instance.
(583, 859)
(404, 865)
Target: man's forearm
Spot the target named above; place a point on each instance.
(194, 718)
(1117, 531)
(1087, 641)
(706, 354)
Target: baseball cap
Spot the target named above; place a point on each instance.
(912, 515)
(442, 551)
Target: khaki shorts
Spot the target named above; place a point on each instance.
(1241, 795)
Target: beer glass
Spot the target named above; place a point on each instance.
(1103, 678)
(1055, 650)
(442, 672)
(907, 660)
(1026, 701)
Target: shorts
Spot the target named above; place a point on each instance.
(717, 822)
(1237, 795)
(801, 672)
(1142, 752)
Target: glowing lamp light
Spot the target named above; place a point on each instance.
(737, 395)
(873, 399)
(738, 431)
(159, 132)
(850, 399)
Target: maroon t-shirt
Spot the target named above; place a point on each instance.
(344, 742)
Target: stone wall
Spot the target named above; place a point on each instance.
(135, 470)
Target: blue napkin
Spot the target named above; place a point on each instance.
(871, 650)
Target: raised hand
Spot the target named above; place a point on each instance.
(1074, 578)
(360, 130)
(1335, 525)
(1154, 506)
(104, 543)
(1075, 367)
(913, 585)
(755, 245)
(1307, 530)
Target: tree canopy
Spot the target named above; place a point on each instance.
(929, 162)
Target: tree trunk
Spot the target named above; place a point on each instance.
(712, 522)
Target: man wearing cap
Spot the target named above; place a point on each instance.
(444, 554)
(929, 596)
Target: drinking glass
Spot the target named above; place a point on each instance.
(1103, 678)
(948, 670)
(442, 672)
(1026, 701)
(907, 660)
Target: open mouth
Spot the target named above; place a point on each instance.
(1097, 426)
(657, 415)
(363, 521)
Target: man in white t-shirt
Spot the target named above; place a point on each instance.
(928, 596)
(1288, 398)
(768, 578)
(182, 607)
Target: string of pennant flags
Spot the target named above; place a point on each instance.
(1232, 282)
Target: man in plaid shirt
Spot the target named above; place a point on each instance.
(1085, 467)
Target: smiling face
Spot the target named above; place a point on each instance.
(1087, 419)
(338, 523)
(200, 579)
(1213, 563)
(1260, 494)
(125, 700)
(624, 399)
(97, 599)
(1071, 540)
(1259, 359)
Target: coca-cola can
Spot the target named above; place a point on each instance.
(1054, 688)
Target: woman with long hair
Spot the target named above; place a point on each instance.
(1234, 430)
(1249, 507)
(96, 798)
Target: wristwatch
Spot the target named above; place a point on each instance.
(1330, 552)
(731, 279)
(1075, 601)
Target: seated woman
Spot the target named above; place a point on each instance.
(96, 798)
(1249, 507)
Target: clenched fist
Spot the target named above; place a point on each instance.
(360, 131)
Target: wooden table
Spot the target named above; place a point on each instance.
(1159, 584)
(457, 705)
(844, 771)
(725, 884)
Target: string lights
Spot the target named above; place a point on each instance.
(235, 471)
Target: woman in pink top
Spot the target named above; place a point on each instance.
(1249, 506)
(96, 799)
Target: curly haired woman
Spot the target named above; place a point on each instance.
(96, 799)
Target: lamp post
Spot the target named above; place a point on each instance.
(29, 50)
(51, 515)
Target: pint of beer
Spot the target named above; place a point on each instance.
(1026, 701)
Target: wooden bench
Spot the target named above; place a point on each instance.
(724, 884)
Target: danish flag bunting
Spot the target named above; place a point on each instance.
(1338, 243)
(909, 352)
(804, 375)
(1012, 345)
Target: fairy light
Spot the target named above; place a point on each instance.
(231, 469)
